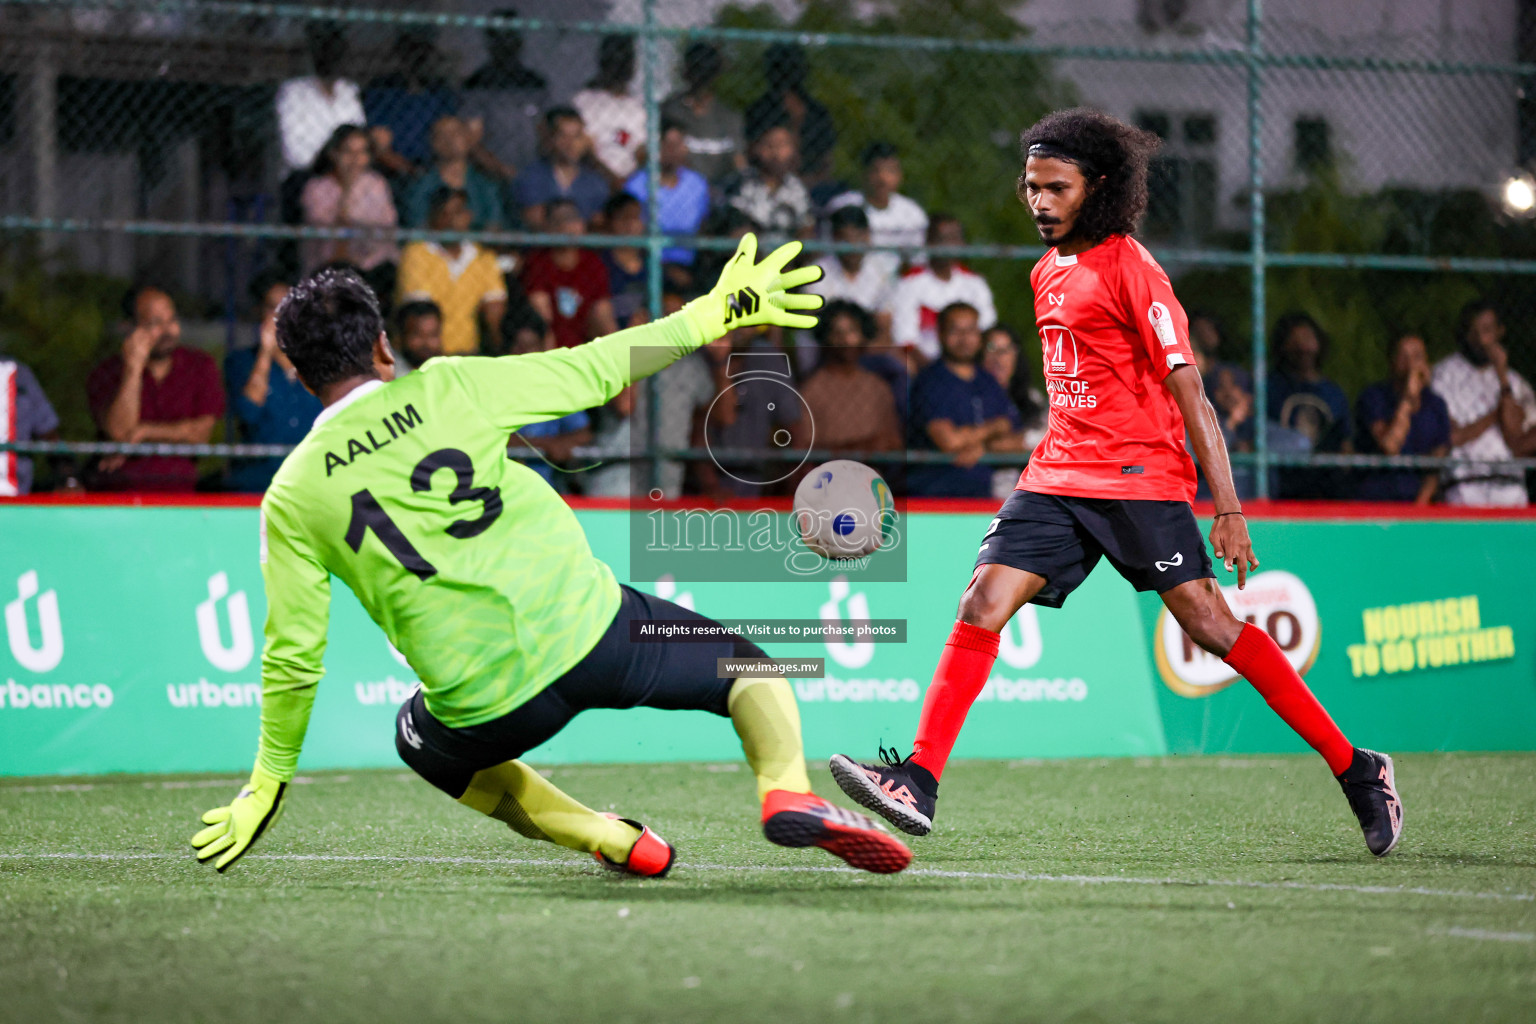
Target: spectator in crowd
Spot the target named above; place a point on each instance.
(1492, 410)
(712, 131)
(1302, 400)
(894, 219)
(1002, 356)
(451, 168)
(418, 334)
(851, 409)
(1402, 416)
(404, 105)
(1234, 407)
(270, 405)
(568, 285)
(562, 174)
(722, 222)
(682, 198)
(923, 291)
(345, 192)
(25, 415)
(769, 192)
(960, 410)
(614, 119)
(757, 410)
(155, 389)
(853, 276)
(311, 108)
(462, 278)
(786, 102)
(501, 102)
(523, 330)
(1300, 397)
(1207, 335)
(550, 443)
(628, 280)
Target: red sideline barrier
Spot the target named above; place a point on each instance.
(1324, 510)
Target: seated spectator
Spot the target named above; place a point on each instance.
(712, 131)
(852, 409)
(270, 405)
(1208, 336)
(628, 280)
(894, 219)
(27, 415)
(462, 278)
(768, 191)
(1302, 400)
(960, 410)
(568, 285)
(614, 119)
(682, 196)
(923, 291)
(1002, 357)
(561, 174)
(853, 276)
(154, 390)
(523, 330)
(1492, 410)
(451, 168)
(345, 192)
(786, 102)
(418, 334)
(311, 108)
(1402, 416)
(404, 105)
(757, 410)
(1234, 409)
(501, 102)
(551, 442)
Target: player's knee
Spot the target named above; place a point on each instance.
(1213, 629)
(985, 607)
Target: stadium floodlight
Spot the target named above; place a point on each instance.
(1518, 195)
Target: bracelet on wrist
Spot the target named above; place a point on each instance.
(1218, 515)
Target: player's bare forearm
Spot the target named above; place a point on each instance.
(1204, 432)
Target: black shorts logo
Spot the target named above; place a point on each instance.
(1127, 470)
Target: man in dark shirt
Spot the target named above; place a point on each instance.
(959, 410)
(403, 106)
(1403, 416)
(501, 103)
(787, 102)
(270, 405)
(155, 390)
(562, 174)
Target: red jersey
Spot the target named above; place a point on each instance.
(1111, 330)
(572, 293)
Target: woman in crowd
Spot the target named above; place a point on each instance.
(346, 191)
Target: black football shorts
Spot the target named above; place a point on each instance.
(1156, 545)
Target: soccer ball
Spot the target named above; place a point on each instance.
(844, 510)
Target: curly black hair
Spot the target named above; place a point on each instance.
(1113, 156)
(327, 326)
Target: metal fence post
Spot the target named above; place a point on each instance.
(1256, 248)
(651, 40)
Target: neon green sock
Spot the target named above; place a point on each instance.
(532, 806)
(768, 721)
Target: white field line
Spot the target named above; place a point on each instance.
(1001, 876)
(1484, 934)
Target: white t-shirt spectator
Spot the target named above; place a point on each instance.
(616, 125)
(307, 115)
(921, 294)
(902, 223)
(1470, 393)
(873, 287)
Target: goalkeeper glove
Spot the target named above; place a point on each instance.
(231, 830)
(751, 293)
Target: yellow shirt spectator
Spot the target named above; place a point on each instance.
(462, 283)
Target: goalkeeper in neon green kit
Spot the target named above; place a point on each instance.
(480, 575)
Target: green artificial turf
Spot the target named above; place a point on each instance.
(1059, 891)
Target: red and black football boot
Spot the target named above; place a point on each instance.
(650, 857)
(805, 819)
(1371, 787)
(901, 791)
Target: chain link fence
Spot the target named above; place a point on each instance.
(511, 180)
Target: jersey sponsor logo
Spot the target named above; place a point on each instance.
(396, 424)
(1162, 324)
(1070, 394)
(741, 304)
(1276, 601)
(45, 657)
(1060, 350)
(1172, 563)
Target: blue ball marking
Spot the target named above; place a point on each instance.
(842, 524)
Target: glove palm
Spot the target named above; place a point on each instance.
(749, 293)
(231, 830)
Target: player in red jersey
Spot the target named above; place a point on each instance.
(1111, 478)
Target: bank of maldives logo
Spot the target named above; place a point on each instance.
(1277, 602)
(1060, 350)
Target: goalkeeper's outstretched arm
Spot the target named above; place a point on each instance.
(514, 391)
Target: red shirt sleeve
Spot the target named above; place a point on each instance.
(1149, 306)
(535, 276)
(205, 387)
(101, 386)
(595, 279)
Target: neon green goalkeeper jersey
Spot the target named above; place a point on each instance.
(476, 570)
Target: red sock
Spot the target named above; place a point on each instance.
(962, 672)
(1259, 660)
